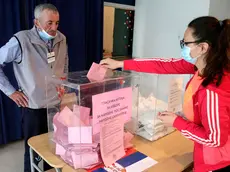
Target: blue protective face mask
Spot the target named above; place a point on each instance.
(44, 35)
(185, 53)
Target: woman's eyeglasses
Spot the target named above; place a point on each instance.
(183, 43)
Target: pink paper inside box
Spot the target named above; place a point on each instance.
(72, 128)
(74, 139)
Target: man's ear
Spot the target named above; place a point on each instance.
(36, 23)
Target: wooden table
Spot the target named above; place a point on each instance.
(172, 152)
(40, 144)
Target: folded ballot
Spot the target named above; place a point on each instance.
(98, 72)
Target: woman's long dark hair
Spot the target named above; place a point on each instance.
(217, 34)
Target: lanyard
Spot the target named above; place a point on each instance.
(49, 46)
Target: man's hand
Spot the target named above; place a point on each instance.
(60, 91)
(19, 98)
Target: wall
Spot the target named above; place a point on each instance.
(160, 24)
(220, 9)
(108, 28)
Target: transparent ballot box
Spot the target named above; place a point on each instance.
(158, 93)
(77, 108)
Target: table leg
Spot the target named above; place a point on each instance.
(57, 169)
(31, 160)
(33, 166)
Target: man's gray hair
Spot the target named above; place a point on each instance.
(39, 8)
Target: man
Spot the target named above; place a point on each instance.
(35, 53)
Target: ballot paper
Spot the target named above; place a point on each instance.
(150, 127)
(127, 140)
(70, 129)
(73, 138)
(76, 144)
(83, 113)
(81, 157)
(98, 72)
(112, 140)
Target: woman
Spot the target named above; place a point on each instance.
(207, 97)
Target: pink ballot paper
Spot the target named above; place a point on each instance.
(98, 72)
(82, 113)
(69, 129)
(85, 159)
(60, 150)
(112, 140)
(68, 118)
(127, 140)
(81, 158)
(111, 104)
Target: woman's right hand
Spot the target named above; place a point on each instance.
(112, 64)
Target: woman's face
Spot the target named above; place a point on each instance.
(190, 41)
(197, 48)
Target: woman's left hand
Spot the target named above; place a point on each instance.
(167, 118)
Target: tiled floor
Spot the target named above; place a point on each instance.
(12, 157)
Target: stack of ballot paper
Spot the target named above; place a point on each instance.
(150, 127)
(73, 138)
(75, 142)
(81, 156)
(72, 127)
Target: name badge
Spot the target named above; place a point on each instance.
(51, 54)
(51, 57)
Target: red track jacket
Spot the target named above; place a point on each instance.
(210, 130)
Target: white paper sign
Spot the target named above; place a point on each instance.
(111, 104)
(112, 140)
(175, 95)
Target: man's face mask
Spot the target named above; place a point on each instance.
(44, 35)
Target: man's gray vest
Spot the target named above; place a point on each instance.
(33, 69)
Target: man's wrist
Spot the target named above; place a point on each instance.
(10, 91)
